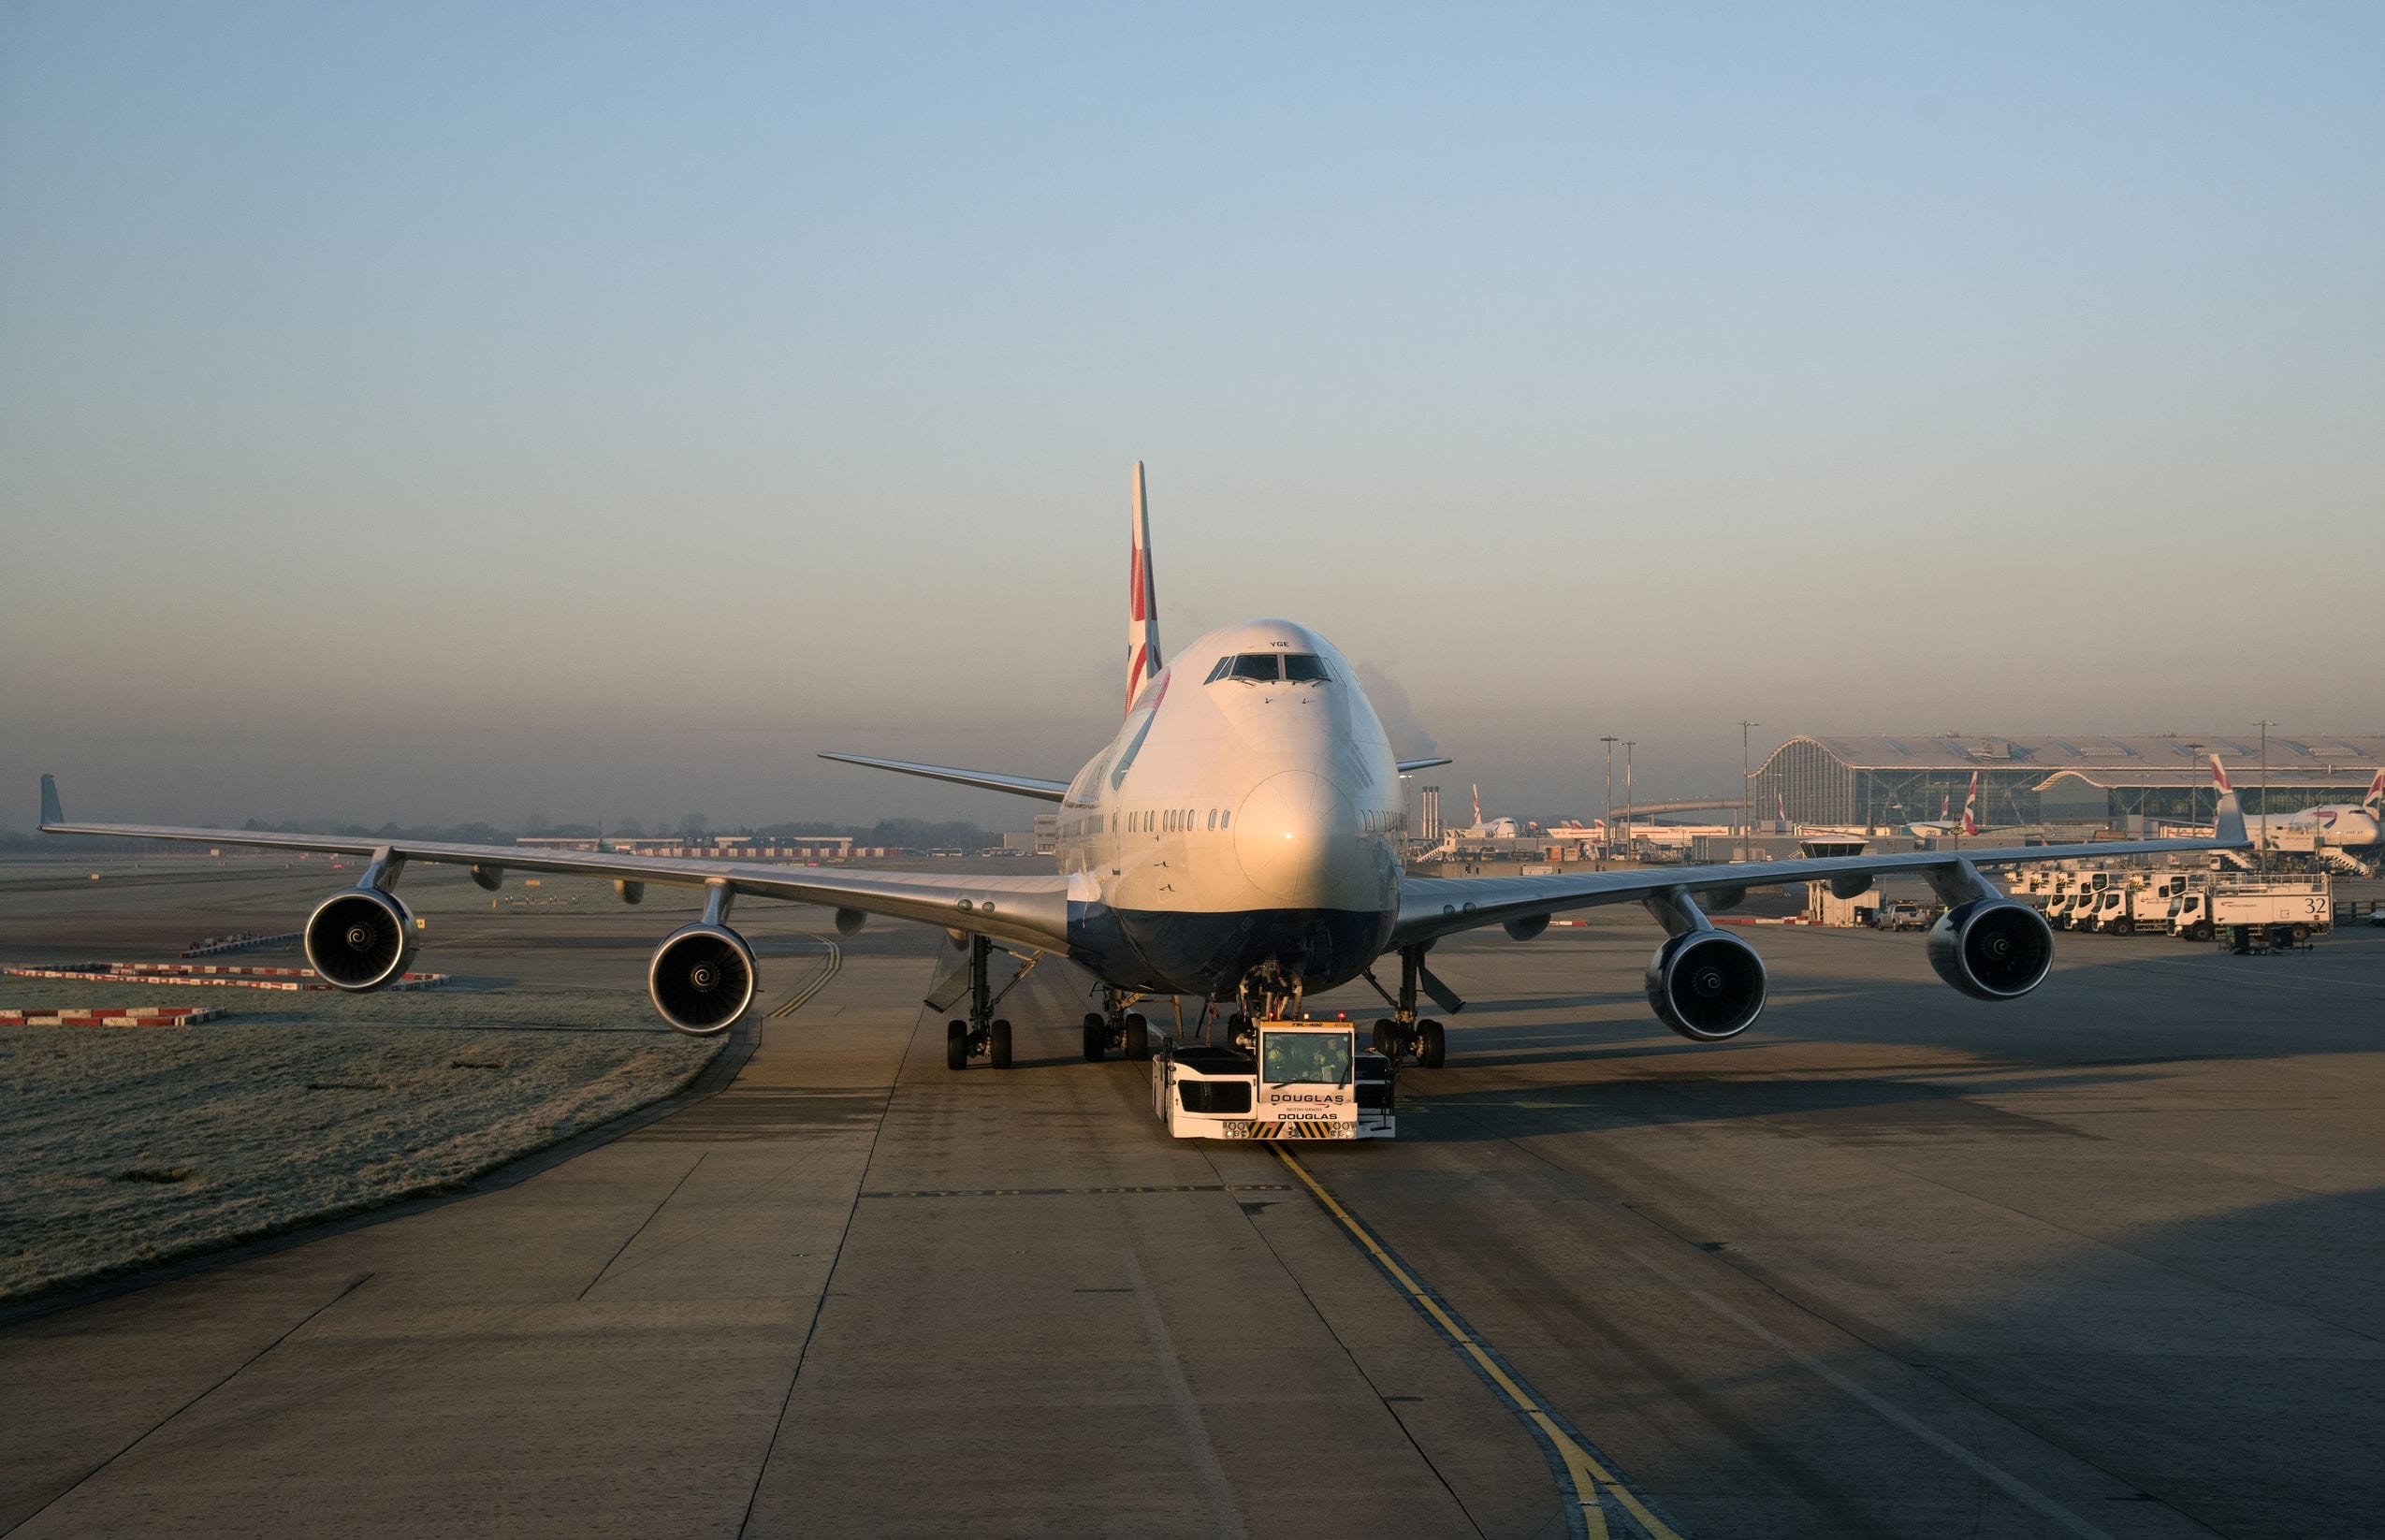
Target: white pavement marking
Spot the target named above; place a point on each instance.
(2027, 1496)
(2320, 986)
(1218, 1495)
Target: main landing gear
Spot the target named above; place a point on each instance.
(1117, 1027)
(982, 1034)
(1402, 1033)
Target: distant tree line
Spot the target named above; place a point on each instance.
(906, 833)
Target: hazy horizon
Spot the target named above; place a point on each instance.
(444, 414)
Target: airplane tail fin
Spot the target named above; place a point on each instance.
(51, 811)
(2228, 819)
(1476, 790)
(1142, 602)
(2219, 775)
(2376, 798)
(1970, 822)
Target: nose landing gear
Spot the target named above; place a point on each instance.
(1127, 1031)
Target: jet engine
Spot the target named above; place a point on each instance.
(701, 979)
(1992, 949)
(360, 939)
(1527, 927)
(1706, 985)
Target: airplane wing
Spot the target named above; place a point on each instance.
(1018, 786)
(1431, 908)
(1030, 911)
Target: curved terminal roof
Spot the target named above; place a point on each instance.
(2104, 759)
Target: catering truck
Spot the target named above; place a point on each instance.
(1279, 1080)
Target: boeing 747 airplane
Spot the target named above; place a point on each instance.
(1237, 841)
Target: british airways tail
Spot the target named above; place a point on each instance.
(2375, 800)
(1142, 603)
(1970, 806)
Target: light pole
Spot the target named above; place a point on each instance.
(1606, 834)
(1627, 791)
(2265, 724)
(1747, 805)
(2194, 792)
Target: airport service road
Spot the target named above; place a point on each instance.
(2104, 1262)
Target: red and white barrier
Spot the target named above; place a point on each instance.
(180, 973)
(127, 1016)
(216, 945)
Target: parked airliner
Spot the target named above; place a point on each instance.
(1967, 824)
(2340, 827)
(1238, 841)
(1482, 828)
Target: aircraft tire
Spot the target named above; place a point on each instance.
(1097, 1037)
(998, 1045)
(1432, 1045)
(1386, 1036)
(956, 1045)
(1137, 1036)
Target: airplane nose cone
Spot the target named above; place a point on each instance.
(1290, 833)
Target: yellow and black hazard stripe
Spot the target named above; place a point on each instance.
(1292, 1129)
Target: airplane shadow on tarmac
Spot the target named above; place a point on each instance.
(2161, 1292)
(1820, 1370)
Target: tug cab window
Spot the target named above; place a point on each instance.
(1304, 665)
(1255, 666)
(1305, 1058)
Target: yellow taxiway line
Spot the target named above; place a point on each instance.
(1589, 1480)
(799, 998)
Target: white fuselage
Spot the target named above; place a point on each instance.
(1238, 825)
(2347, 825)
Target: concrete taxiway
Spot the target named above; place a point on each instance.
(2105, 1262)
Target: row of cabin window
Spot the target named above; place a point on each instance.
(1175, 820)
(1261, 668)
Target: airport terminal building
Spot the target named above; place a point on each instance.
(2091, 779)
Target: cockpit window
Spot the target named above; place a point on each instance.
(1219, 672)
(1255, 665)
(1304, 665)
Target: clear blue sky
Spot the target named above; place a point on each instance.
(433, 412)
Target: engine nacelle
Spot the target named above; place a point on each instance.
(487, 878)
(1706, 985)
(1525, 928)
(360, 939)
(849, 922)
(701, 979)
(1992, 949)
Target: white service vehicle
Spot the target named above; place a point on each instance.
(2295, 909)
(2075, 904)
(1303, 1079)
(2146, 903)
